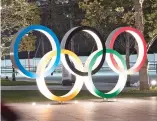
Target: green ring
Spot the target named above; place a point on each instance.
(99, 93)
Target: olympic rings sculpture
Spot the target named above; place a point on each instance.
(82, 72)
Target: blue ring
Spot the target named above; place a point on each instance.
(17, 42)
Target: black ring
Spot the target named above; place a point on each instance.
(67, 38)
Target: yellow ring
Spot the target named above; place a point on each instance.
(41, 81)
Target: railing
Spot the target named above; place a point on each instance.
(152, 67)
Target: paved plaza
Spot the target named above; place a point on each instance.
(123, 109)
(100, 86)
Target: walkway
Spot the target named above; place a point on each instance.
(100, 86)
(90, 110)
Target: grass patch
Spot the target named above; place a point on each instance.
(36, 96)
(21, 83)
(138, 93)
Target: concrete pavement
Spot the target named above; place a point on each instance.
(124, 109)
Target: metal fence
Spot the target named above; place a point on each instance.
(152, 67)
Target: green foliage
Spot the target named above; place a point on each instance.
(150, 15)
(107, 15)
(27, 43)
(16, 14)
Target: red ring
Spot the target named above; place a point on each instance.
(115, 35)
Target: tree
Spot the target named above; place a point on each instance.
(28, 44)
(139, 23)
(107, 15)
(150, 19)
(145, 21)
(125, 44)
(62, 13)
(16, 14)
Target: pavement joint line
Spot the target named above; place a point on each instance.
(80, 119)
(109, 115)
(148, 113)
(30, 116)
(23, 113)
(138, 109)
(143, 113)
